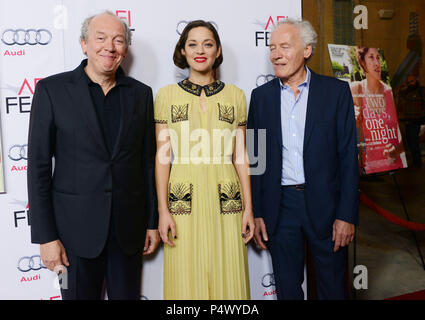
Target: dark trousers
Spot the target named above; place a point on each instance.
(412, 137)
(120, 273)
(287, 251)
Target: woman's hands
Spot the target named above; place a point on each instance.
(166, 223)
(248, 225)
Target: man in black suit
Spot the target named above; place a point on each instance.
(309, 188)
(96, 213)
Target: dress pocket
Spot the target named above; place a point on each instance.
(180, 198)
(230, 198)
(226, 113)
(179, 112)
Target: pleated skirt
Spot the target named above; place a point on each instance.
(209, 260)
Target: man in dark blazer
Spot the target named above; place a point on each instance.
(309, 187)
(94, 210)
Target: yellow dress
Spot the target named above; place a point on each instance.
(209, 259)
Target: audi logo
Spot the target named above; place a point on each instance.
(22, 37)
(182, 24)
(18, 152)
(34, 263)
(268, 280)
(264, 78)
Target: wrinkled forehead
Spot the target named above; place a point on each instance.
(285, 33)
(106, 23)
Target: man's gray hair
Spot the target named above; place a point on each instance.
(307, 33)
(85, 28)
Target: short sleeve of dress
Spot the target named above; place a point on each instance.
(241, 99)
(160, 107)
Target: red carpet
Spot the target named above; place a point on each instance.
(418, 295)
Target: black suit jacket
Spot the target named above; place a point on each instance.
(329, 154)
(74, 201)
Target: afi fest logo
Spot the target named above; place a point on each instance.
(22, 214)
(52, 298)
(125, 15)
(21, 103)
(262, 37)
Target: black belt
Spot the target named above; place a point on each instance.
(295, 186)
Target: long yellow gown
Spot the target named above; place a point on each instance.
(209, 259)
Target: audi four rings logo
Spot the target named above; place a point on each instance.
(268, 280)
(182, 24)
(264, 78)
(22, 37)
(18, 152)
(34, 263)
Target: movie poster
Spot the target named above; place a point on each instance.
(379, 137)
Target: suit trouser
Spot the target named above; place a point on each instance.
(120, 272)
(287, 251)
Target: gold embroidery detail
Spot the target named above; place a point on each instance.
(213, 88)
(193, 88)
(226, 113)
(179, 112)
(230, 198)
(180, 198)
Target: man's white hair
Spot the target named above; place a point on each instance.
(85, 27)
(307, 33)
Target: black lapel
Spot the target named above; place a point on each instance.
(79, 96)
(276, 115)
(127, 96)
(313, 107)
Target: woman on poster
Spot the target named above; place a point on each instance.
(204, 201)
(380, 147)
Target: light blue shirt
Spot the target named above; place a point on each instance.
(293, 114)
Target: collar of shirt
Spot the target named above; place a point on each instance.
(196, 89)
(120, 77)
(305, 84)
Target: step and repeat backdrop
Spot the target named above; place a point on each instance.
(41, 38)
